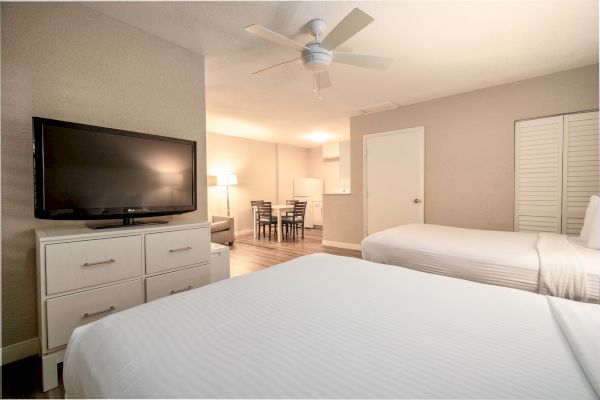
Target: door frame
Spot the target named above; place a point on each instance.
(419, 129)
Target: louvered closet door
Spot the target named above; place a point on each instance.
(538, 174)
(581, 177)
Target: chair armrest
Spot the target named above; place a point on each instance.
(217, 218)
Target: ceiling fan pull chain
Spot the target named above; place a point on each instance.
(319, 87)
(314, 79)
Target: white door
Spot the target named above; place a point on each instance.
(394, 164)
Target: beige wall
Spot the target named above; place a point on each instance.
(254, 163)
(469, 150)
(68, 62)
(292, 163)
(265, 171)
(328, 170)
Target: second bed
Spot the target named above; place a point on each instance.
(511, 259)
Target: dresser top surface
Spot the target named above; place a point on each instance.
(57, 233)
(218, 247)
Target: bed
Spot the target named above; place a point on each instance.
(510, 259)
(324, 326)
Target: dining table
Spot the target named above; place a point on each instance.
(279, 210)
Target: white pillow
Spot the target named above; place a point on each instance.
(588, 221)
(594, 240)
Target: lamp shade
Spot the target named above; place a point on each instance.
(226, 180)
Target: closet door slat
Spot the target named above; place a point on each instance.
(538, 174)
(580, 167)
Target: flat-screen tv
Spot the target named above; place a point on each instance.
(88, 172)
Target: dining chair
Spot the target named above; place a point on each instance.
(296, 220)
(265, 218)
(289, 213)
(290, 203)
(255, 203)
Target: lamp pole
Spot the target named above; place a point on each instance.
(228, 201)
(227, 180)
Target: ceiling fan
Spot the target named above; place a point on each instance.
(318, 54)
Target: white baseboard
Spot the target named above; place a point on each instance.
(341, 245)
(18, 351)
(244, 232)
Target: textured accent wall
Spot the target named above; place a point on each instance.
(69, 62)
(469, 150)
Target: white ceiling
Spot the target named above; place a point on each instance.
(440, 48)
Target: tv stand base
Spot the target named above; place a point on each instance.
(129, 222)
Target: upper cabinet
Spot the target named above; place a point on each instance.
(556, 171)
(331, 151)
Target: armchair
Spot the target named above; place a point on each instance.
(222, 230)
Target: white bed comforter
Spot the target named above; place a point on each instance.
(501, 258)
(562, 271)
(329, 327)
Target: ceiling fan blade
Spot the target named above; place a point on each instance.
(274, 37)
(324, 80)
(348, 27)
(283, 64)
(361, 60)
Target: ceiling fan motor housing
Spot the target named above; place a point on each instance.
(316, 58)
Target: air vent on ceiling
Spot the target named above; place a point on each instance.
(385, 106)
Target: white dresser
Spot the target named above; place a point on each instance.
(219, 262)
(84, 274)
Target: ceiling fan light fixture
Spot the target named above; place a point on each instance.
(316, 65)
(316, 58)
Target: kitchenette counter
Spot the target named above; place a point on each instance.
(339, 191)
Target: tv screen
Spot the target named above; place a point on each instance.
(90, 172)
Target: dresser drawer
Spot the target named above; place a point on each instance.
(168, 250)
(81, 264)
(63, 314)
(176, 282)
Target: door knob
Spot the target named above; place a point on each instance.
(416, 201)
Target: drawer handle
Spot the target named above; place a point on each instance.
(181, 249)
(91, 264)
(89, 315)
(181, 290)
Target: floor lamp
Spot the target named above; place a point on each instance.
(227, 180)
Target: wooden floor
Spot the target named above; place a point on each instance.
(22, 379)
(250, 255)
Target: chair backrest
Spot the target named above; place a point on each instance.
(290, 203)
(264, 210)
(299, 209)
(255, 203)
